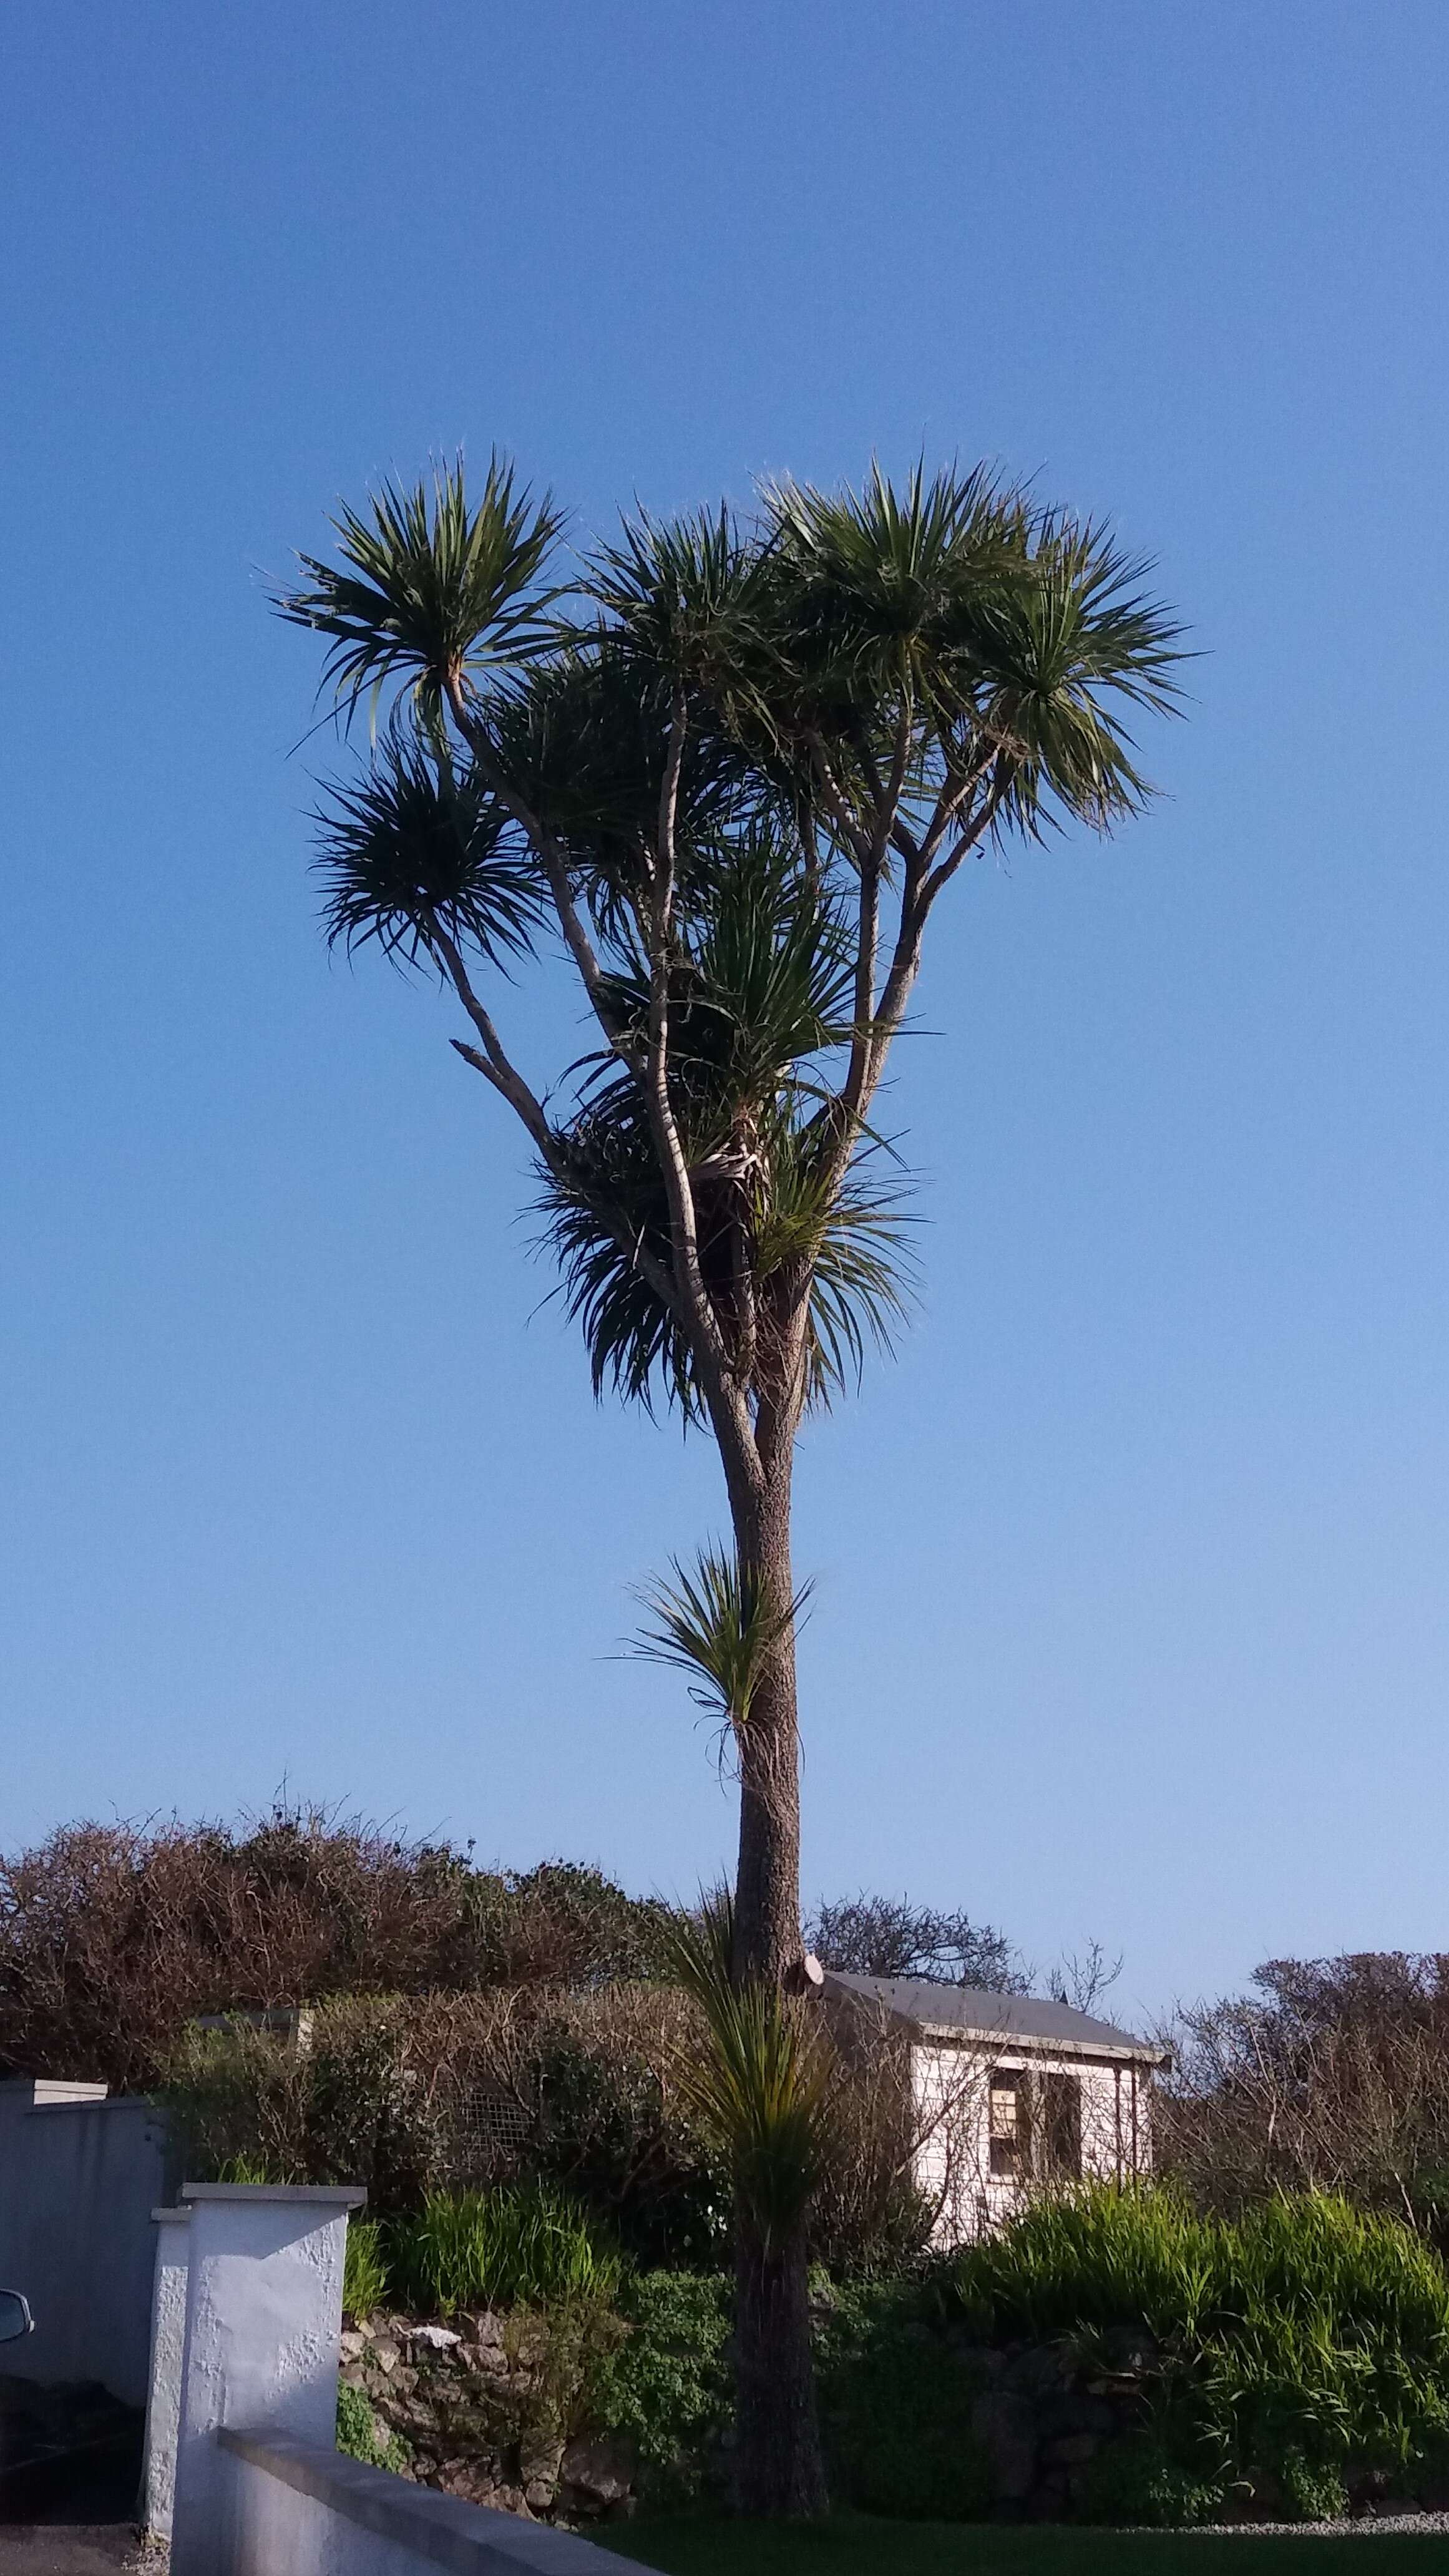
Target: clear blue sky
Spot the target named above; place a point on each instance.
(1131, 1614)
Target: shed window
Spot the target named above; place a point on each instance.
(1062, 2127)
(1010, 2127)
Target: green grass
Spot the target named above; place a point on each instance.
(851, 2545)
(523, 2246)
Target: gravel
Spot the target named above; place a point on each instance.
(1345, 2526)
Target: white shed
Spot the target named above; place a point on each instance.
(1003, 2092)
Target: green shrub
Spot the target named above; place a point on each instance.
(1139, 2481)
(1292, 2340)
(1312, 2491)
(618, 2136)
(364, 2278)
(668, 2382)
(520, 2247)
(895, 2404)
(361, 2436)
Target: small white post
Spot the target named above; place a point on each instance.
(263, 2317)
(163, 2393)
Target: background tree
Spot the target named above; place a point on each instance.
(888, 1936)
(726, 778)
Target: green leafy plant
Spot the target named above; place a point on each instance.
(1301, 2337)
(1314, 2489)
(361, 2437)
(503, 2248)
(668, 2381)
(896, 2405)
(1138, 2480)
(760, 2085)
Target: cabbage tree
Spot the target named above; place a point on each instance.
(720, 772)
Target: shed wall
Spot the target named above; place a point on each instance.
(950, 2090)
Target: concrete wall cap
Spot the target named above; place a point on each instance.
(173, 2217)
(315, 2195)
(437, 2530)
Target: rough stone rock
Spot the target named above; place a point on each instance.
(1039, 2370)
(473, 2480)
(1049, 2498)
(385, 2353)
(1005, 2426)
(433, 2338)
(1074, 2412)
(1069, 2450)
(598, 2470)
(540, 2459)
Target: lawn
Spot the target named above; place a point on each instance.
(855, 2545)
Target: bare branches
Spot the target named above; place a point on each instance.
(1334, 2077)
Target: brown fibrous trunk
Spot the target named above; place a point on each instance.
(779, 2467)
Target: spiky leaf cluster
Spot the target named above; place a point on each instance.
(788, 722)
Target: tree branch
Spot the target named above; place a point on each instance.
(700, 1316)
(684, 1296)
(555, 868)
(887, 801)
(920, 886)
(496, 1068)
(494, 1063)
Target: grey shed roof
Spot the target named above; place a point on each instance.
(972, 2012)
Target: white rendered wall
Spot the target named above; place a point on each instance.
(301, 2513)
(168, 2346)
(263, 2317)
(79, 2178)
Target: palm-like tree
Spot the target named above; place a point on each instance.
(727, 776)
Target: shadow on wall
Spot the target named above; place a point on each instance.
(80, 2174)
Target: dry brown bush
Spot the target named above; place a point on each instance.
(114, 1937)
(1334, 2076)
(463, 2024)
(413, 2093)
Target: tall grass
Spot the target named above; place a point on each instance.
(1306, 2322)
(364, 2276)
(522, 2247)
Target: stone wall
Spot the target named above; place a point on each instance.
(482, 2410)
(1044, 2437)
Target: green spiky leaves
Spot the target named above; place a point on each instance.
(430, 588)
(761, 2084)
(713, 1621)
(728, 776)
(411, 850)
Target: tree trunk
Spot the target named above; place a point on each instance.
(767, 1882)
(779, 2469)
(779, 2466)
